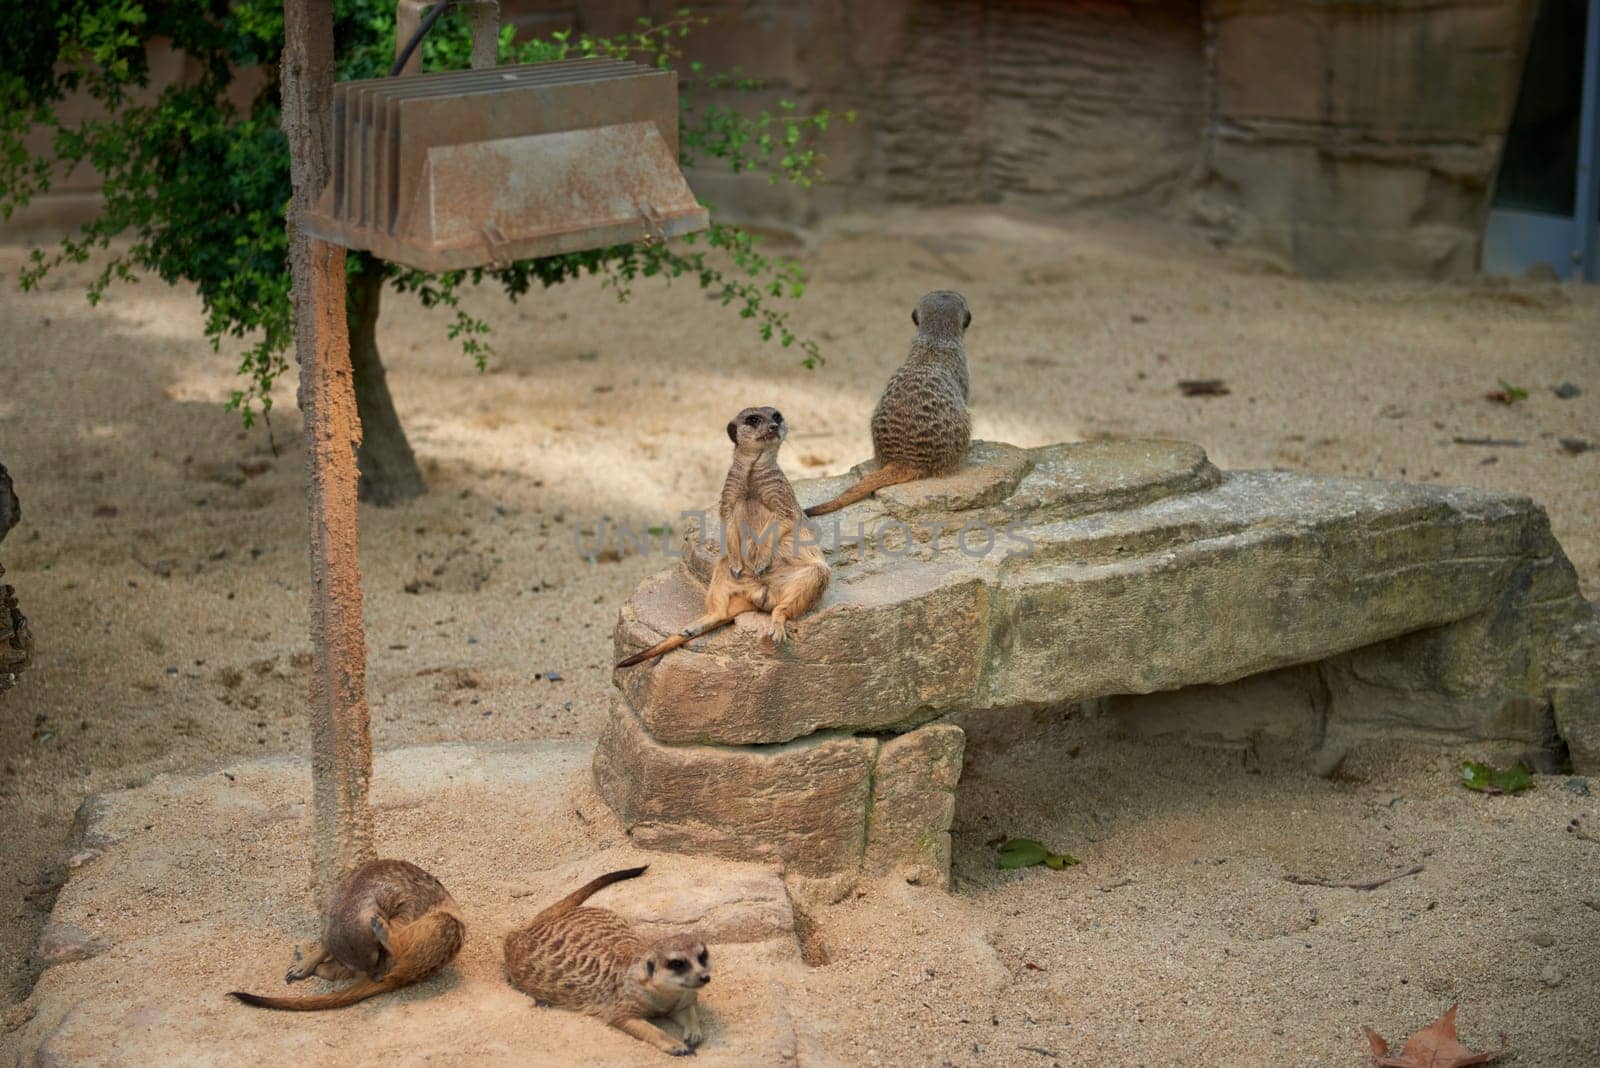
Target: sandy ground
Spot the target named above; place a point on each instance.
(162, 561)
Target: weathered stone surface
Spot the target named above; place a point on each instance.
(1180, 576)
(203, 889)
(63, 943)
(913, 803)
(803, 803)
(743, 903)
(989, 476)
(1348, 608)
(855, 652)
(1339, 171)
(1267, 570)
(722, 901)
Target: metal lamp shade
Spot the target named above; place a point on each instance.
(480, 168)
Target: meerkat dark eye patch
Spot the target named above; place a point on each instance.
(678, 965)
(777, 417)
(705, 959)
(649, 968)
(752, 420)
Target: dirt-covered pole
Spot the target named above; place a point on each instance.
(341, 736)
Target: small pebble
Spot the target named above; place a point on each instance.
(171, 669)
(1542, 939)
(1566, 391)
(1550, 975)
(553, 676)
(1577, 785)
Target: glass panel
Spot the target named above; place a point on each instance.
(1539, 169)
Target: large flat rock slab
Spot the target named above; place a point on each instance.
(1098, 571)
(194, 885)
(1178, 576)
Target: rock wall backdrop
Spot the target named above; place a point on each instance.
(1337, 139)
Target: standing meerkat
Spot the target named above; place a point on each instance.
(765, 566)
(392, 924)
(589, 960)
(920, 427)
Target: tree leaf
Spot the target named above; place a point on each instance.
(1025, 853)
(1489, 780)
(1022, 853)
(1435, 1046)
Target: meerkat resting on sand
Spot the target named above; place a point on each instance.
(392, 924)
(920, 427)
(589, 960)
(766, 565)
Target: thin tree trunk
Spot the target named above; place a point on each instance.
(389, 472)
(341, 739)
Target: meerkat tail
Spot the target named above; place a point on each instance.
(887, 475)
(589, 889)
(688, 634)
(359, 990)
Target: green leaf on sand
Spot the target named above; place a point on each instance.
(1025, 853)
(1489, 780)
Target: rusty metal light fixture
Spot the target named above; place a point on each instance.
(483, 167)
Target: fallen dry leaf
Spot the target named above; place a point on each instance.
(1435, 1046)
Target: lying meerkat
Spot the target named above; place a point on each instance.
(392, 924)
(920, 427)
(765, 566)
(589, 960)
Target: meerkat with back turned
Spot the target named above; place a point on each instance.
(591, 961)
(766, 564)
(392, 924)
(920, 427)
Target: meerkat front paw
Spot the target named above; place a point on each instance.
(693, 1037)
(778, 633)
(302, 968)
(736, 572)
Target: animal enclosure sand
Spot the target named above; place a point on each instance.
(162, 562)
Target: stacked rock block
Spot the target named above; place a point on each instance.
(1060, 574)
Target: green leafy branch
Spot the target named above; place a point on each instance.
(195, 184)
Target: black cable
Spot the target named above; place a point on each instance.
(416, 39)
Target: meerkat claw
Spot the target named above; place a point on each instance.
(298, 970)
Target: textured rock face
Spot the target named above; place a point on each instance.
(1340, 139)
(1342, 170)
(1073, 572)
(913, 803)
(195, 884)
(1369, 152)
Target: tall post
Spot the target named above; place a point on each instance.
(341, 736)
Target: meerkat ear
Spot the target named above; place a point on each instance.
(968, 322)
(733, 431)
(914, 321)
